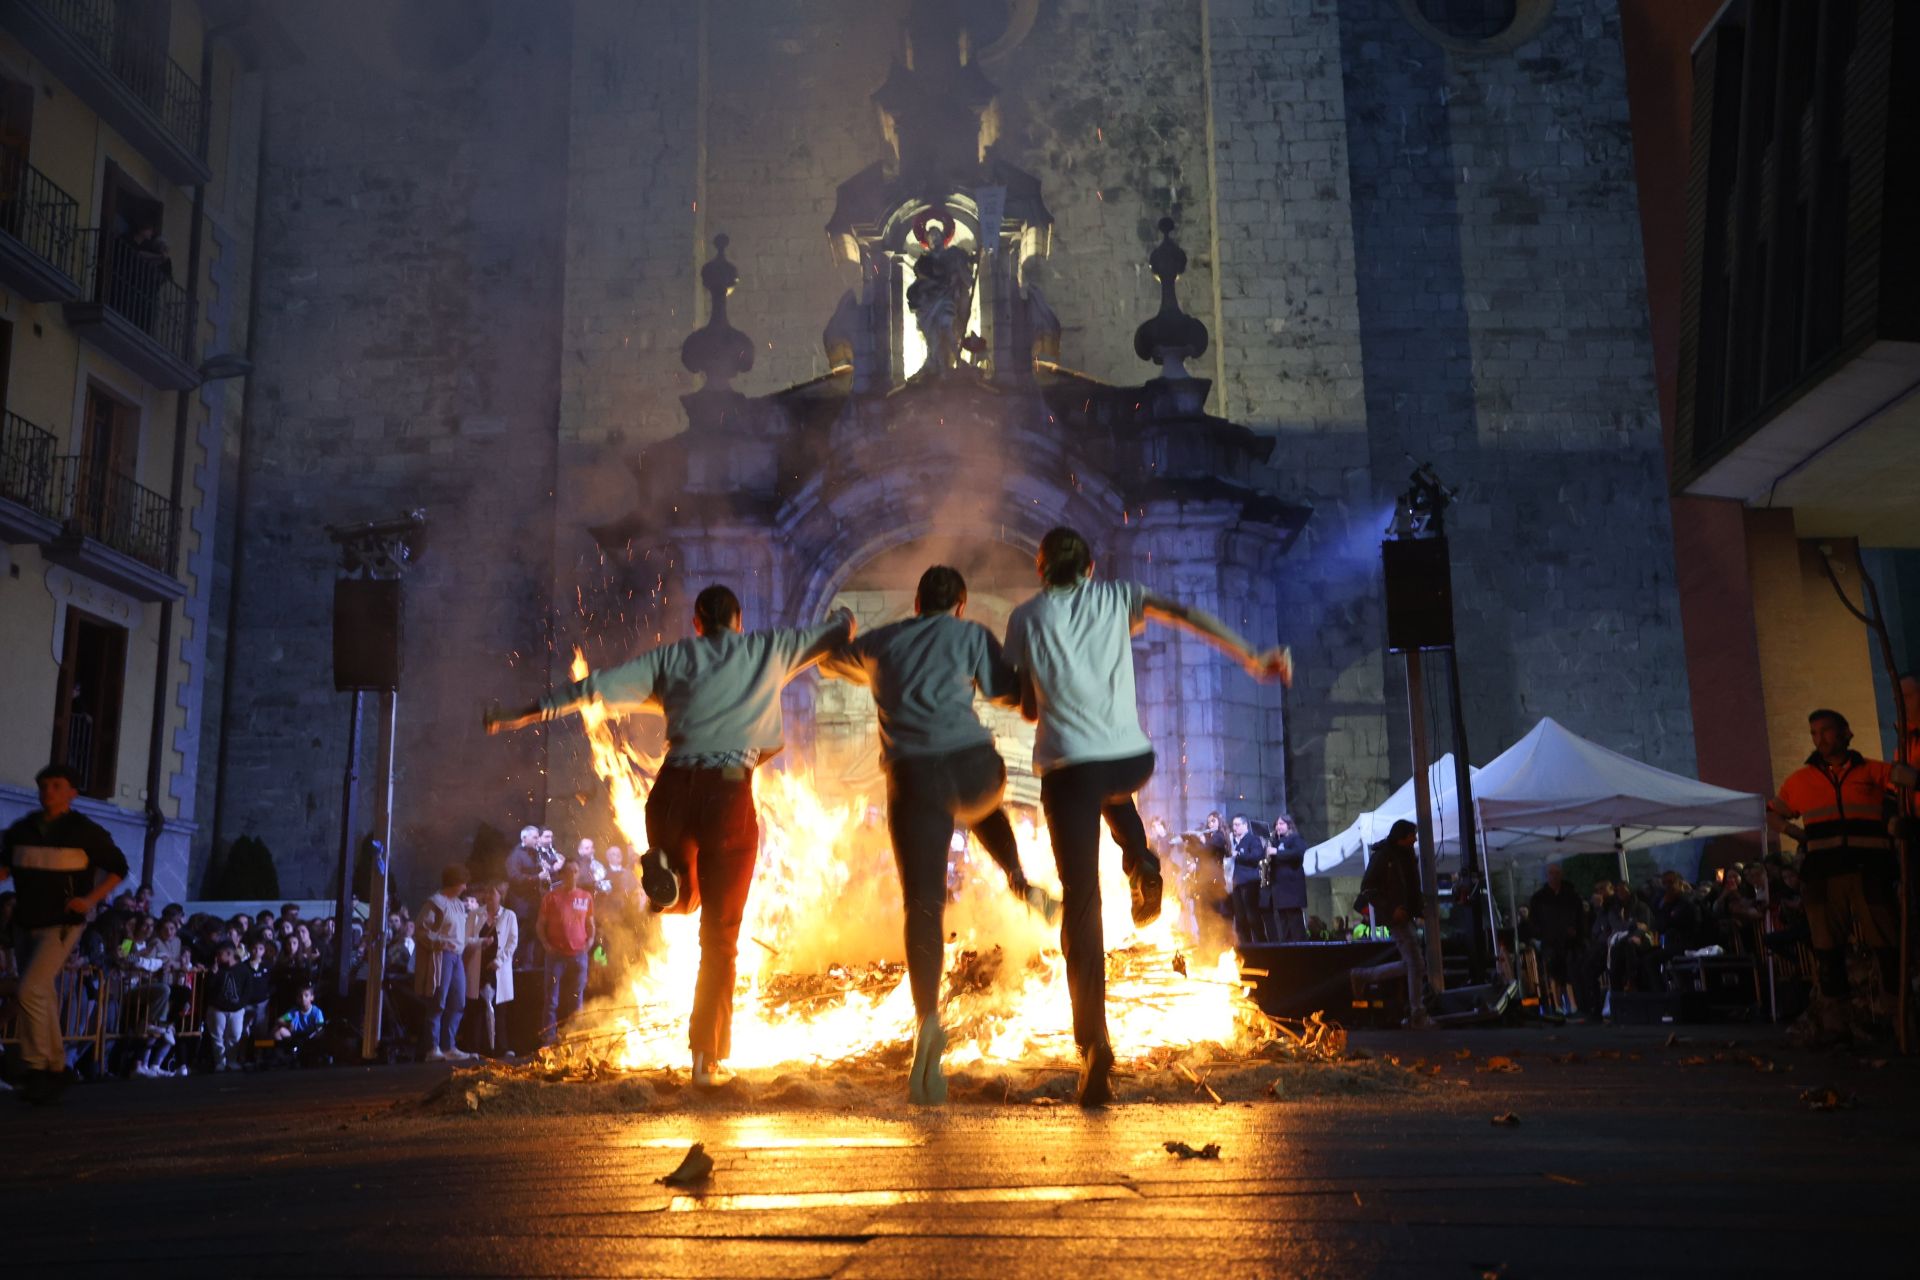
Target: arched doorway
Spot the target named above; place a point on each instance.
(846, 739)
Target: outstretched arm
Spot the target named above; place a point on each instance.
(1262, 666)
(627, 687)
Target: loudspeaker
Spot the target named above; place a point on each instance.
(1294, 979)
(366, 633)
(1419, 582)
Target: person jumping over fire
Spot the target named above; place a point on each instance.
(941, 769)
(1071, 646)
(720, 692)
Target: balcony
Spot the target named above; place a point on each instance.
(29, 510)
(131, 309)
(1799, 324)
(113, 530)
(38, 226)
(146, 96)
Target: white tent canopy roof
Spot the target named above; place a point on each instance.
(1550, 794)
(1346, 853)
(1554, 793)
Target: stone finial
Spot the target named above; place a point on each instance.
(718, 352)
(1171, 337)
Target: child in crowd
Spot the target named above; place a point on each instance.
(229, 991)
(299, 1026)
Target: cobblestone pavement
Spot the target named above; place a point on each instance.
(1697, 1157)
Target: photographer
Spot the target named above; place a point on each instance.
(1391, 890)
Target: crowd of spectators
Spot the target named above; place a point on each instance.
(176, 993)
(1619, 938)
(157, 978)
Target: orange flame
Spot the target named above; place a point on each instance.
(826, 901)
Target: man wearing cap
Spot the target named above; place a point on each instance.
(63, 865)
(720, 692)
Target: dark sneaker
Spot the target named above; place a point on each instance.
(1144, 880)
(658, 881)
(1096, 1071)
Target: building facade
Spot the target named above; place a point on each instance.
(128, 148)
(1778, 186)
(1413, 236)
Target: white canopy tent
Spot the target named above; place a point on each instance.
(1549, 795)
(1346, 853)
(1553, 793)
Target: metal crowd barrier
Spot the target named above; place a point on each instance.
(99, 1006)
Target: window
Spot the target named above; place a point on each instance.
(16, 122)
(108, 445)
(1478, 26)
(86, 716)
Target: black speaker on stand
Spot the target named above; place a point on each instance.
(366, 634)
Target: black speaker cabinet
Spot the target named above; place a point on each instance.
(366, 633)
(1419, 594)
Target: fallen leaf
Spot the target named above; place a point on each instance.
(694, 1167)
(1563, 1178)
(1507, 1120)
(1463, 1054)
(1828, 1100)
(1694, 1061)
(1209, 1152)
(1501, 1064)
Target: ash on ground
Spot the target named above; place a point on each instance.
(1281, 1071)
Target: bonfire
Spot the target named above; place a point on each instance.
(821, 975)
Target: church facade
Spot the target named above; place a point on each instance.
(1204, 279)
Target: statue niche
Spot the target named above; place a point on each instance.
(941, 299)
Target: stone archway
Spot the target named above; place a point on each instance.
(879, 590)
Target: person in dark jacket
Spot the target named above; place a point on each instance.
(1391, 890)
(1559, 922)
(63, 865)
(229, 995)
(1247, 859)
(1285, 892)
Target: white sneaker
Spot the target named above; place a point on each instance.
(436, 1055)
(180, 1070)
(708, 1074)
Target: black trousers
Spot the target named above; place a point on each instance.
(1249, 917)
(704, 821)
(926, 797)
(1286, 924)
(1075, 798)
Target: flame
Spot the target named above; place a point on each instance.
(819, 973)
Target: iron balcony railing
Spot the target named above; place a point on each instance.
(27, 466)
(138, 284)
(36, 212)
(161, 84)
(102, 504)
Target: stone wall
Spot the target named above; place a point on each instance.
(406, 348)
(1418, 253)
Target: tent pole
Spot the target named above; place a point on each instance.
(1466, 809)
(1620, 853)
(1423, 820)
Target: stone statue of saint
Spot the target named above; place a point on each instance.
(941, 297)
